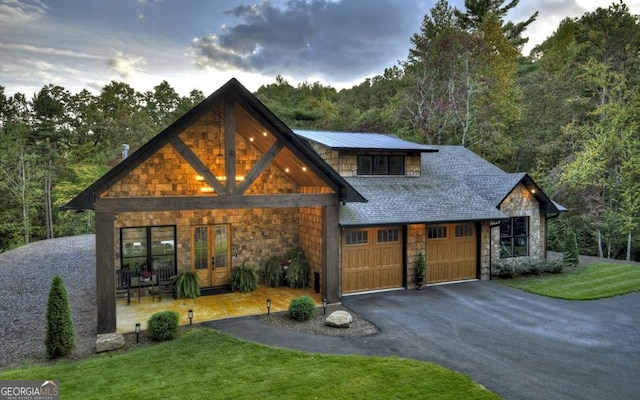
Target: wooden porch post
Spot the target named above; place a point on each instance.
(331, 254)
(105, 273)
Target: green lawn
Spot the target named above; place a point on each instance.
(595, 281)
(206, 364)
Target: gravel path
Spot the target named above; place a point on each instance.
(26, 274)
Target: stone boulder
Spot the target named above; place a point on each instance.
(339, 319)
(109, 342)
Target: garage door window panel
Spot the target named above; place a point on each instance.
(356, 237)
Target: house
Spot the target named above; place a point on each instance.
(229, 183)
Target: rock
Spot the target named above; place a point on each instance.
(109, 342)
(339, 319)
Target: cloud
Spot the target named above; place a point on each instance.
(18, 12)
(126, 66)
(333, 39)
(47, 50)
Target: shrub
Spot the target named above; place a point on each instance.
(299, 269)
(302, 308)
(570, 253)
(421, 264)
(187, 285)
(59, 338)
(244, 278)
(163, 325)
(273, 272)
(513, 269)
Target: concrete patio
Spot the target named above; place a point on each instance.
(207, 308)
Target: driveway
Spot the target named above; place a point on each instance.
(520, 346)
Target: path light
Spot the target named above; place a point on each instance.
(324, 306)
(190, 315)
(137, 332)
(268, 306)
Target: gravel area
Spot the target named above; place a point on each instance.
(27, 273)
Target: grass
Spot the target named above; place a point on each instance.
(204, 363)
(592, 282)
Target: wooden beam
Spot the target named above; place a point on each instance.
(331, 254)
(204, 202)
(258, 167)
(230, 145)
(197, 165)
(105, 272)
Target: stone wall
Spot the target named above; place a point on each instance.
(311, 237)
(522, 203)
(416, 242)
(256, 235)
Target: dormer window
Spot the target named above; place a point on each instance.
(380, 165)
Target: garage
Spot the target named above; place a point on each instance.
(371, 259)
(451, 252)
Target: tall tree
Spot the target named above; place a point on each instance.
(477, 10)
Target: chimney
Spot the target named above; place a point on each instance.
(125, 151)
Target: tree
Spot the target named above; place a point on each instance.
(478, 10)
(50, 128)
(59, 339)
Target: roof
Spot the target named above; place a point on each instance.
(362, 141)
(456, 185)
(230, 90)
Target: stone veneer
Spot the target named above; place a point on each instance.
(256, 234)
(522, 203)
(416, 241)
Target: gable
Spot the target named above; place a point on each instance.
(230, 145)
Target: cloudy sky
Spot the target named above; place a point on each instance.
(200, 44)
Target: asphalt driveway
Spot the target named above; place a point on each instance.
(520, 346)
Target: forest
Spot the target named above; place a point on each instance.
(568, 113)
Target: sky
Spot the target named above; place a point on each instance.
(201, 44)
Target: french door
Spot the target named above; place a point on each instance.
(211, 258)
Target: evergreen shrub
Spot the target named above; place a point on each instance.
(302, 308)
(163, 326)
(59, 337)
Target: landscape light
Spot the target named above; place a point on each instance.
(190, 315)
(324, 306)
(268, 306)
(137, 332)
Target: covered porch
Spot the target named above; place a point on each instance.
(208, 308)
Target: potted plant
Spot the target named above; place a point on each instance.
(420, 270)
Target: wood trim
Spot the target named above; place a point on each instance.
(331, 254)
(230, 145)
(262, 163)
(197, 165)
(141, 204)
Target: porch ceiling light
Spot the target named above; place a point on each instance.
(268, 306)
(190, 315)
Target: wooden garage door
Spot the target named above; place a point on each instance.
(451, 252)
(371, 259)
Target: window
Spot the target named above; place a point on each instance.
(380, 165)
(356, 237)
(147, 248)
(465, 230)
(388, 235)
(514, 237)
(437, 232)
